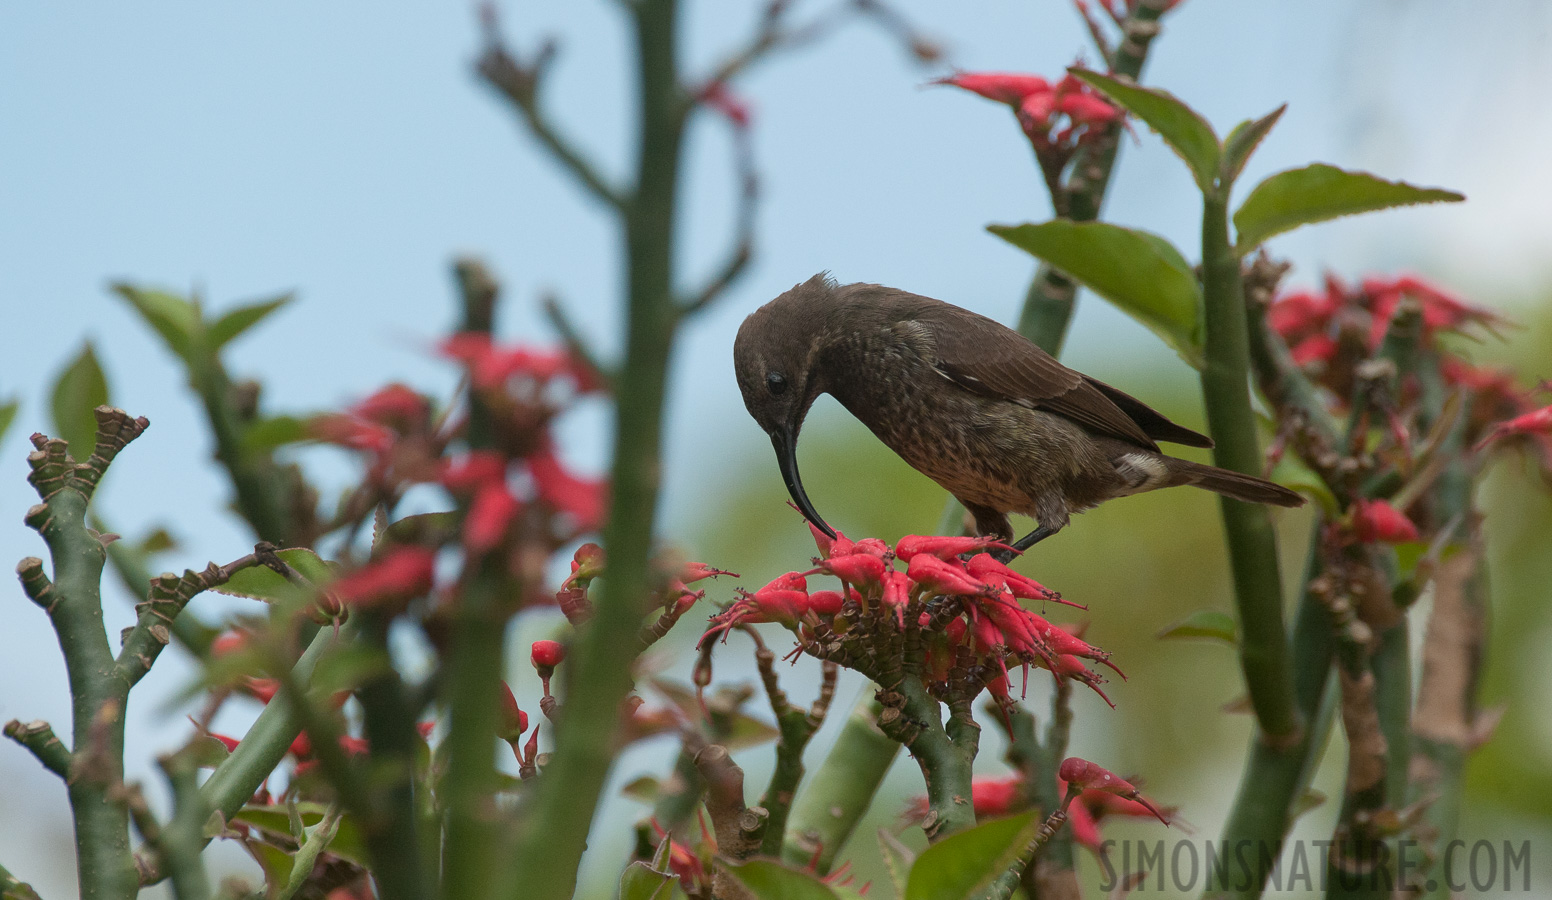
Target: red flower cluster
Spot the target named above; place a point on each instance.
(1329, 331)
(1063, 115)
(392, 580)
(998, 797)
(967, 610)
(1320, 327)
(392, 428)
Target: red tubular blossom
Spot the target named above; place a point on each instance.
(261, 689)
(1378, 521)
(1069, 666)
(1088, 776)
(1062, 641)
(490, 514)
(351, 433)
(583, 499)
(824, 542)
(719, 97)
(826, 603)
(1535, 422)
(513, 720)
(985, 567)
(695, 571)
(943, 577)
(473, 471)
(1003, 87)
(396, 406)
(897, 593)
(944, 547)
(1085, 830)
(854, 568)
(403, 573)
(1298, 314)
(1317, 348)
(995, 797)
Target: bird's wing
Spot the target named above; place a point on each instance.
(988, 358)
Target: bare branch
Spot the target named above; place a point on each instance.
(519, 83)
(41, 742)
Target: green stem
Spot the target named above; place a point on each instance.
(474, 666)
(390, 831)
(182, 841)
(1276, 774)
(946, 755)
(1248, 527)
(13, 888)
(262, 494)
(599, 674)
(838, 793)
(41, 742)
(98, 697)
(129, 565)
(234, 781)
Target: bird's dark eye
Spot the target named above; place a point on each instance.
(776, 383)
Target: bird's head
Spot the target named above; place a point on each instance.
(776, 358)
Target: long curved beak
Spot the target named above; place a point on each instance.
(786, 443)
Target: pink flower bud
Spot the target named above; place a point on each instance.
(1084, 775)
(943, 578)
(547, 655)
(1378, 521)
(513, 721)
(1003, 87)
(695, 571)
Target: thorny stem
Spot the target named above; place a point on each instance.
(836, 796)
(73, 602)
(797, 726)
(945, 755)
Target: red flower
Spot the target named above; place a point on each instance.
(1536, 422)
(1086, 776)
(1298, 314)
(695, 571)
(425, 729)
(473, 471)
(491, 512)
(1317, 348)
(351, 433)
(717, 96)
(581, 498)
(853, 568)
(396, 406)
(944, 548)
(1003, 87)
(1378, 521)
(399, 575)
(546, 655)
(228, 642)
(944, 578)
(513, 720)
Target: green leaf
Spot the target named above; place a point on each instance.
(641, 882)
(241, 319)
(276, 863)
(160, 540)
(174, 318)
(1139, 272)
(7, 415)
(277, 431)
(1243, 141)
(962, 866)
(898, 859)
(348, 841)
(1204, 623)
(205, 751)
(768, 879)
(743, 732)
(1186, 132)
(81, 388)
(644, 789)
(1317, 193)
(264, 583)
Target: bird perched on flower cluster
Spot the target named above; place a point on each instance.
(966, 401)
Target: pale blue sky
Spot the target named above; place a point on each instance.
(346, 151)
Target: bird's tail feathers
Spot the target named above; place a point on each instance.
(1229, 483)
